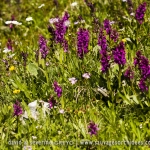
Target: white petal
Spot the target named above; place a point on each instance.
(16, 22)
(29, 19)
(33, 105)
(6, 50)
(8, 22)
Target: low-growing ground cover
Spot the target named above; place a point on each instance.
(74, 74)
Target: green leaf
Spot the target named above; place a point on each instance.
(32, 68)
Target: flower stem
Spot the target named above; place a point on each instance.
(119, 77)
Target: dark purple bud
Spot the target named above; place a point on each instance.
(139, 16)
(9, 44)
(142, 85)
(43, 47)
(17, 109)
(107, 26)
(129, 73)
(57, 89)
(93, 128)
(82, 42)
(114, 35)
(119, 54)
(52, 102)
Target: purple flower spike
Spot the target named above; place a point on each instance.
(104, 61)
(82, 42)
(52, 102)
(104, 56)
(143, 65)
(119, 54)
(93, 128)
(139, 16)
(142, 85)
(9, 44)
(17, 109)
(43, 47)
(107, 26)
(129, 73)
(57, 89)
(114, 35)
(61, 28)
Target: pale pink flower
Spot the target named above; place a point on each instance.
(86, 75)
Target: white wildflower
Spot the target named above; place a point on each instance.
(73, 80)
(32, 106)
(61, 111)
(86, 75)
(13, 22)
(132, 14)
(6, 50)
(29, 19)
(47, 64)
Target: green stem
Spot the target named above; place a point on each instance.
(108, 81)
(119, 77)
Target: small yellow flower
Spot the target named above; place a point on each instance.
(16, 91)
(11, 68)
(124, 40)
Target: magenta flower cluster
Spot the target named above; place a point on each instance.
(119, 54)
(9, 44)
(107, 26)
(17, 109)
(114, 35)
(82, 42)
(57, 89)
(61, 28)
(111, 32)
(93, 128)
(52, 102)
(139, 16)
(43, 47)
(129, 73)
(144, 67)
(104, 56)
